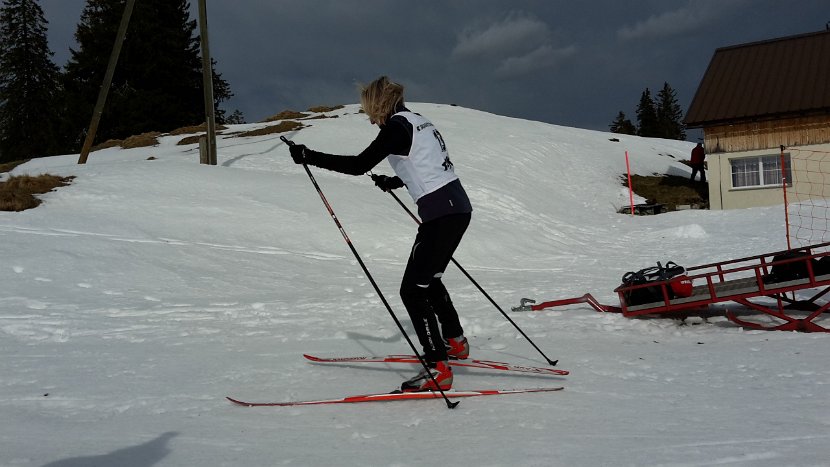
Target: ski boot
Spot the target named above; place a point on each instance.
(440, 371)
(458, 348)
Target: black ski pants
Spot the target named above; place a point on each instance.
(422, 291)
(698, 168)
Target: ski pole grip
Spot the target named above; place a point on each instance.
(287, 141)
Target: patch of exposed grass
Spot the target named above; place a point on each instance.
(670, 190)
(152, 138)
(320, 117)
(18, 193)
(192, 139)
(285, 115)
(110, 143)
(9, 166)
(136, 141)
(282, 127)
(293, 114)
(202, 128)
(141, 141)
(323, 108)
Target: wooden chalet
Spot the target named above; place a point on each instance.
(753, 99)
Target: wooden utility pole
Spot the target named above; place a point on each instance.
(207, 83)
(105, 87)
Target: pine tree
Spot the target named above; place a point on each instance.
(28, 83)
(221, 93)
(622, 125)
(157, 85)
(647, 116)
(669, 115)
(235, 118)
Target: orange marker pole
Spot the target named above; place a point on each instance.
(630, 187)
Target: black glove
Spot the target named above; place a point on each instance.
(387, 183)
(298, 153)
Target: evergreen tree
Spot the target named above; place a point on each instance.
(28, 83)
(647, 116)
(669, 115)
(622, 125)
(157, 83)
(221, 93)
(235, 118)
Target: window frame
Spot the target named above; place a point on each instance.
(760, 169)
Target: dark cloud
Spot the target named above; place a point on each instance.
(568, 63)
(678, 20)
(517, 45)
(517, 33)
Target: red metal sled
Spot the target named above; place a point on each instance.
(742, 281)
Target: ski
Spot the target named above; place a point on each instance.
(395, 396)
(482, 364)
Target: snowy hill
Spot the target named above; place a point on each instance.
(135, 299)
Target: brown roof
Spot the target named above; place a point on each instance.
(789, 75)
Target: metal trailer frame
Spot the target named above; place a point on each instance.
(739, 281)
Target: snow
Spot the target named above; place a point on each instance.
(134, 300)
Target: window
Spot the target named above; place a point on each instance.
(761, 171)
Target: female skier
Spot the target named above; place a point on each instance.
(418, 155)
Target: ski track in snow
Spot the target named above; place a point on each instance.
(262, 250)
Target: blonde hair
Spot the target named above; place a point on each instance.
(380, 98)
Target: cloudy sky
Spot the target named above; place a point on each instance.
(573, 63)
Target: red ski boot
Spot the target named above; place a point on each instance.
(458, 348)
(440, 371)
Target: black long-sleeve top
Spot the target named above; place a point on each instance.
(395, 137)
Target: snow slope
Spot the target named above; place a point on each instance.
(134, 300)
